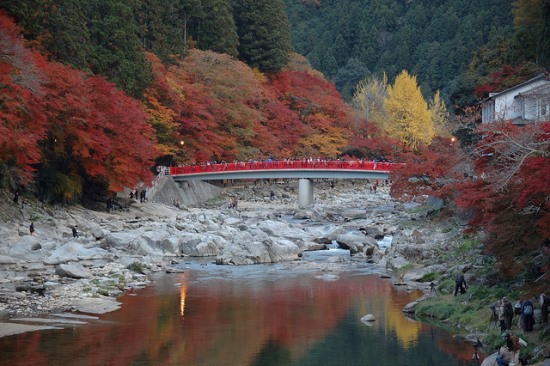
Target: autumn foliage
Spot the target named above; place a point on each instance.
(22, 124)
(65, 129)
(503, 182)
(67, 126)
(223, 110)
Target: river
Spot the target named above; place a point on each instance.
(264, 315)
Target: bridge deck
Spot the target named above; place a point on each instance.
(283, 169)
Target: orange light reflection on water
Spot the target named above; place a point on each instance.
(183, 293)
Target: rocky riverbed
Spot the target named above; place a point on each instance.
(51, 271)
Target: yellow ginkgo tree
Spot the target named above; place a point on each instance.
(440, 116)
(408, 117)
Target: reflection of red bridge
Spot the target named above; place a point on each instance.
(284, 169)
(304, 170)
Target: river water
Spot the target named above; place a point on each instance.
(261, 315)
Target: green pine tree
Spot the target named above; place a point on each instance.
(264, 33)
(117, 52)
(217, 31)
(160, 28)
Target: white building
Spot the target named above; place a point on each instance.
(527, 102)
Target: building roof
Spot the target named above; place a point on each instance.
(542, 76)
(539, 90)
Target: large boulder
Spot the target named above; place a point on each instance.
(283, 229)
(358, 243)
(74, 252)
(161, 239)
(273, 228)
(27, 247)
(119, 240)
(97, 232)
(396, 263)
(270, 250)
(410, 308)
(72, 270)
(324, 234)
(373, 231)
(201, 245)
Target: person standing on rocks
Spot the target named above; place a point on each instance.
(501, 311)
(31, 228)
(508, 312)
(75, 232)
(527, 319)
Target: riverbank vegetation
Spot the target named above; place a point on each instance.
(472, 312)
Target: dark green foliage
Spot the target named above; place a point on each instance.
(137, 267)
(264, 33)
(59, 25)
(31, 15)
(350, 75)
(217, 31)
(97, 35)
(544, 37)
(117, 53)
(432, 40)
(161, 28)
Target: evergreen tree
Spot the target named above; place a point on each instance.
(160, 29)
(96, 35)
(528, 26)
(264, 33)
(190, 12)
(117, 52)
(544, 45)
(217, 31)
(59, 25)
(348, 76)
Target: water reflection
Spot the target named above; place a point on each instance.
(266, 318)
(183, 292)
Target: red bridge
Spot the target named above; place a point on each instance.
(304, 169)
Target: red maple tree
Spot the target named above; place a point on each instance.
(22, 124)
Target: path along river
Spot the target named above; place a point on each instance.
(268, 315)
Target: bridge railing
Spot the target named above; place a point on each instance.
(283, 165)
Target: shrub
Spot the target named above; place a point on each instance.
(136, 267)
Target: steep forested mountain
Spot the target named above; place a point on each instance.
(434, 40)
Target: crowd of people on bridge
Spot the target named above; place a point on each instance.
(270, 163)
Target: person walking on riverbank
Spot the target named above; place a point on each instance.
(31, 228)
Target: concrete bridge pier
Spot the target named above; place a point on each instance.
(305, 193)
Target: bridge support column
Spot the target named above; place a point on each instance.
(305, 193)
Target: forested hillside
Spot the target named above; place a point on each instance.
(434, 40)
(67, 130)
